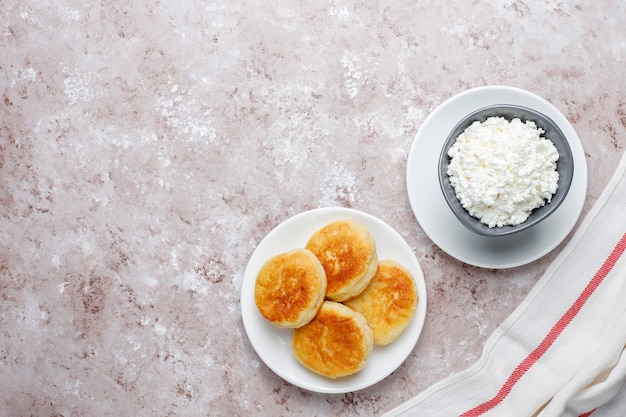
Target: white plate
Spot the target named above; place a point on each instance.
(273, 344)
(436, 218)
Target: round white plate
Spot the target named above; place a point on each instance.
(436, 218)
(273, 344)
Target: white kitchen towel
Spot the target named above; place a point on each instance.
(561, 353)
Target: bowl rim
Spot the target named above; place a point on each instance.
(564, 184)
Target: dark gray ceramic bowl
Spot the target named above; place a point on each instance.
(565, 167)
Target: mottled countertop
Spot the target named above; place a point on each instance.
(146, 148)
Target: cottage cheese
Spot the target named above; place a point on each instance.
(503, 170)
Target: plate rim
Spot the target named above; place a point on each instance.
(251, 317)
(464, 103)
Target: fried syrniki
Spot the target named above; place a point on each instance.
(347, 252)
(290, 288)
(389, 302)
(336, 343)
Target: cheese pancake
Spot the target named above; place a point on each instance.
(389, 302)
(336, 343)
(290, 288)
(347, 251)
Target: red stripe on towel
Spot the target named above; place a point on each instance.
(554, 333)
(587, 414)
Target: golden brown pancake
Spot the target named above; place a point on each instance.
(347, 251)
(336, 343)
(290, 288)
(388, 303)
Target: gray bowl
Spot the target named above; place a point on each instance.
(565, 167)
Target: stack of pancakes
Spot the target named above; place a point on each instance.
(337, 296)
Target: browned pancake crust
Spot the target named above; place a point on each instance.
(336, 343)
(388, 303)
(290, 288)
(347, 251)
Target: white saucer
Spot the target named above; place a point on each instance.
(273, 344)
(436, 218)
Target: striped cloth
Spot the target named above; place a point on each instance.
(561, 353)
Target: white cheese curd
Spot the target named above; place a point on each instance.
(501, 171)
